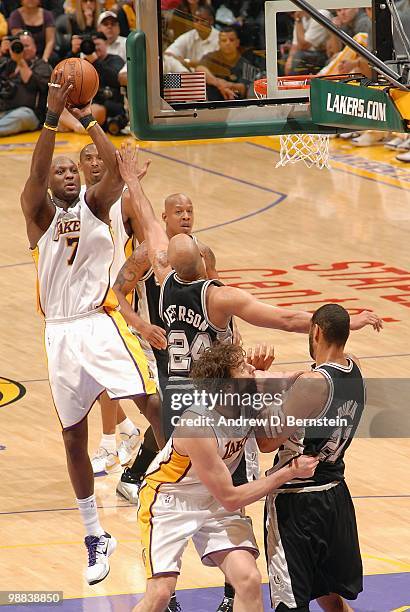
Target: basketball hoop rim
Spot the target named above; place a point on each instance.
(260, 86)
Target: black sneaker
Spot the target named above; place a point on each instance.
(226, 605)
(173, 605)
(129, 486)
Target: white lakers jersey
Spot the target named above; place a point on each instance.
(122, 242)
(73, 260)
(171, 472)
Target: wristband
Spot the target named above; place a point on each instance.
(51, 119)
(49, 127)
(85, 121)
(90, 125)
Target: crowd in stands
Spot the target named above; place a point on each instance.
(223, 38)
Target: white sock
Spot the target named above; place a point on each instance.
(89, 514)
(109, 442)
(126, 427)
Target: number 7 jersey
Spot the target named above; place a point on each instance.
(182, 307)
(73, 260)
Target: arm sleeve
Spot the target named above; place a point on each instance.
(15, 20)
(41, 72)
(109, 69)
(48, 19)
(179, 46)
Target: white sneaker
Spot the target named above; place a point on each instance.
(99, 549)
(128, 446)
(395, 143)
(103, 460)
(348, 135)
(404, 157)
(369, 139)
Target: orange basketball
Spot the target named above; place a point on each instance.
(84, 78)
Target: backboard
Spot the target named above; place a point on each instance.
(156, 49)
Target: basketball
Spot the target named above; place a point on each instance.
(84, 78)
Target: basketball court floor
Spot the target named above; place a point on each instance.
(293, 237)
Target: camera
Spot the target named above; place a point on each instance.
(15, 44)
(87, 45)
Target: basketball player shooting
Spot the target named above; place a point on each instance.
(89, 347)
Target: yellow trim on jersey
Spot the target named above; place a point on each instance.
(169, 471)
(36, 255)
(134, 348)
(110, 301)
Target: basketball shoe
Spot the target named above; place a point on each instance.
(129, 486)
(128, 446)
(103, 460)
(173, 605)
(99, 549)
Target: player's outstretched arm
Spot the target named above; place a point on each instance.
(131, 272)
(232, 301)
(155, 236)
(101, 197)
(37, 207)
(366, 317)
(214, 474)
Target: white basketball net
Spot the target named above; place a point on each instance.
(312, 149)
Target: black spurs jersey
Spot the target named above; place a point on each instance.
(335, 425)
(182, 308)
(146, 304)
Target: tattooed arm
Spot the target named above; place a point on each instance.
(132, 271)
(155, 236)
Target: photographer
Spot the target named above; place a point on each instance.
(108, 104)
(23, 85)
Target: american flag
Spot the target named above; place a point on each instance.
(184, 86)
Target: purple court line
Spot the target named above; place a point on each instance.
(279, 363)
(381, 592)
(404, 496)
(366, 178)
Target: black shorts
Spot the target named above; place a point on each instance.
(312, 546)
(173, 404)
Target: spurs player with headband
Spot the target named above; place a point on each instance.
(89, 347)
(188, 493)
(312, 546)
(125, 230)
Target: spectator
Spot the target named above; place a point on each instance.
(352, 21)
(347, 61)
(3, 26)
(188, 48)
(181, 19)
(83, 21)
(109, 26)
(308, 51)
(108, 104)
(228, 73)
(127, 18)
(39, 22)
(23, 87)
(231, 12)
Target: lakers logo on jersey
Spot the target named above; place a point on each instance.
(10, 391)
